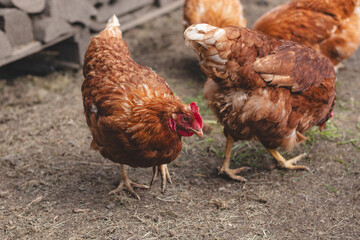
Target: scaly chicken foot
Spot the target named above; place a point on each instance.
(288, 164)
(225, 168)
(165, 176)
(125, 183)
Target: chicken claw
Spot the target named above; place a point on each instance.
(288, 164)
(127, 184)
(165, 176)
(225, 168)
(231, 173)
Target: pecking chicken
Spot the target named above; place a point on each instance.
(133, 115)
(331, 27)
(218, 13)
(262, 88)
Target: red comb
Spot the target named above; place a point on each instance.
(195, 111)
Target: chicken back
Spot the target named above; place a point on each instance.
(218, 13)
(331, 27)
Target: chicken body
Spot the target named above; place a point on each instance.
(133, 116)
(331, 27)
(214, 12)
(262, 88)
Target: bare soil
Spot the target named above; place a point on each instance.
(54, 187)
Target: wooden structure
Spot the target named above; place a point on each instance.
(29, 26)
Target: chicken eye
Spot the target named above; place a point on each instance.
(185, 119)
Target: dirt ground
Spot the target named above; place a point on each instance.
(54, 187)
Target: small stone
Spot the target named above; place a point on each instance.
(110, 205)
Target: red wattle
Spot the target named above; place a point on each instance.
(185, 133)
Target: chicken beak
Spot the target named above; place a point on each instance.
(199, 133)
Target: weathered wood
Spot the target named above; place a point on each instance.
(162, 3)
(94, 2)
(41, 63)
(31, 48)
(5, 46)
(153, 14)
(119, 8)
(19, 53)
(69, 41)
(71, 10)
(48, 28)
(17, 26)
(140, 19)
(136, 14)
(73, 49)
(5, 3)
(29, 6)
(82, 38)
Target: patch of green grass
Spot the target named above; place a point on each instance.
(353, 142)
(248, 153)
(330, 188)
(340, 161)
(207, 121)
(303, 176)
(219, 151)
(344, 163)
(330, 133)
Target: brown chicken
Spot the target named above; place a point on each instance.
(133, 116)
(262, 88)
(331, 27)
(220, 13)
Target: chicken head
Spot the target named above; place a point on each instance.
(188, 122)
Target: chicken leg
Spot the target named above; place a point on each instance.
(127, 184)
(165, 176)
(289, 164)
(225, 168)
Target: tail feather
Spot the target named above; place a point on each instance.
(210, 43)
(112, 26)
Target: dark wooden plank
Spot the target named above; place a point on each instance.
(32, 48)
(119, 8)
(73, 11)
(82, 38)
(47, 29)
(5, 3)
(5, 46)
(153, 14)
(135, 21)
(94, 2)
(162, 3)
(30, 6)
(17, 26)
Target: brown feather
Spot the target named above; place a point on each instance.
(269, 89)
(127, 106)
(330, 27)
(217, 13)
